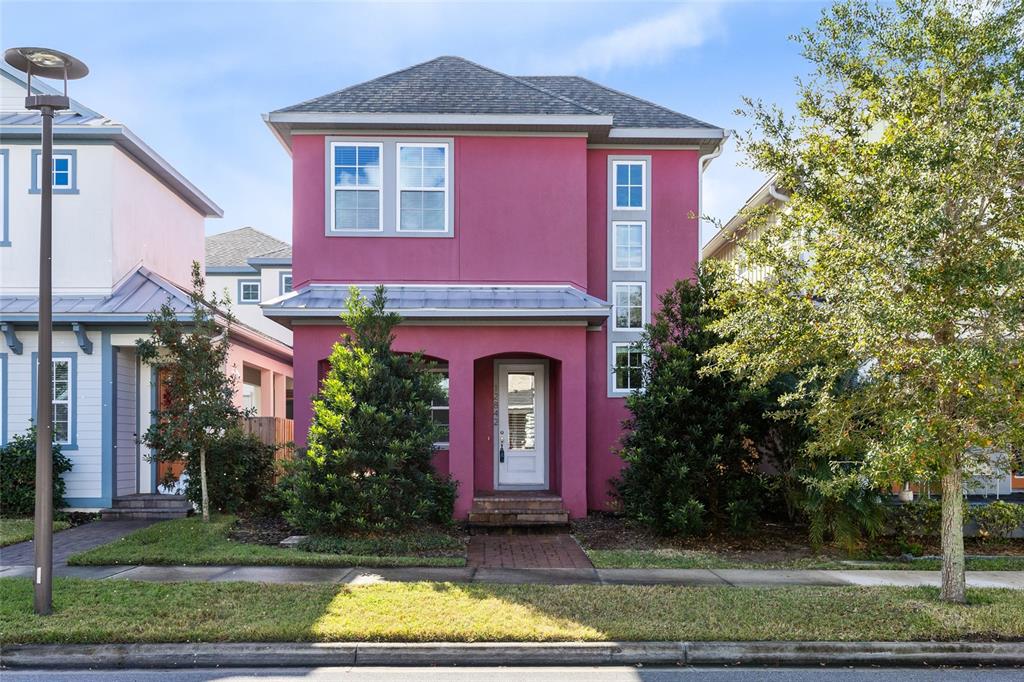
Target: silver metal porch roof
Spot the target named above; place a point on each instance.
(447, 302)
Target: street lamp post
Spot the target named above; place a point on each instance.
(45, 63)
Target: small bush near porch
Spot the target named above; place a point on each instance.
(368, 463)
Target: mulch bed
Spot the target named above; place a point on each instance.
(772, 542)
(269, 530)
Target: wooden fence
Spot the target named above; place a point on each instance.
(274, 431)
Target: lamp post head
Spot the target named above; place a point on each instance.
(46, 63)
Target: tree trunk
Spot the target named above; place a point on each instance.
(953, 562)
(206, 496)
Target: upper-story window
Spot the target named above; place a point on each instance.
(628, 245)
(628, 306)
(630, 185)
(422, 187)
(628, 367)
(286, 282)
(357, 196)
(63, 174)
(249, 291)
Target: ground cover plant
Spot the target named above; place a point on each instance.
(193, 542)
(91, 611)
(21, 529)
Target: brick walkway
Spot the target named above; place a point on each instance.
(72, 541)
(556, 550)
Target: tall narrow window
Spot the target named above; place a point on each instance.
(630, 181)
(439, 411)
(357, 186)
(628, 368)
(628, 306)
(628, 246)
(422, 188)
(61, 396)
(286, 282)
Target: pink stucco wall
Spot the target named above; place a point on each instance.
(520, 216)
(674, 245)
(527, 210)
(469, 352)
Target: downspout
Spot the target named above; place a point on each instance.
(774, 193)
(702, 163)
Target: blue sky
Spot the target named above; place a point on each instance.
(192, 78)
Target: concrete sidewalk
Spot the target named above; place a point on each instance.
(536, 576)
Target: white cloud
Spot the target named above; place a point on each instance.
(650, 41)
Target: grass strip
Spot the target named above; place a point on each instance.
(190, 542)
(674, 558)
(124, 611)
(19, 530)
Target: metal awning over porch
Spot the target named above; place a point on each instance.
(447, 302)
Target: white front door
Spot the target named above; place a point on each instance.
(521, 442)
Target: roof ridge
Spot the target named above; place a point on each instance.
(356, 85)
(632, 97)
(534, 86)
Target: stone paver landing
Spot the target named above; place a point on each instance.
(526, 550)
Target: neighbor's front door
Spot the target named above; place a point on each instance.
(521, 442)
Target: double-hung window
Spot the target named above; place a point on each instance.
(628, 245)
(422, 187)
(357, 194)
(628, 306)
(630, 185)
(61, 400)
(439, 411)
(628, 367)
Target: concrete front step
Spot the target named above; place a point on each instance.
(152, 502)
(538, 503)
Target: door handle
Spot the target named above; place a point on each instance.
(501, 449)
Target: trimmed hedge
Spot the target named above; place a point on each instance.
(18, 475)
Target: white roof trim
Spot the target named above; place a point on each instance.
(440, 119)
(671, 133)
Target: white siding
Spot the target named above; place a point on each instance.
(252, 315)
(85, 477)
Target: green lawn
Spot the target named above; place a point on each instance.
(674, 558)
(19, 530)
(92, 611)
(190, 542)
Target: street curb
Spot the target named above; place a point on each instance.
(283, 655)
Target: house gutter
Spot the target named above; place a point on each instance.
(702, 164)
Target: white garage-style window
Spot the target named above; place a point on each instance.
(422, 187)
(630, 185)
(628, 245)
(628, 306)
(356, 201)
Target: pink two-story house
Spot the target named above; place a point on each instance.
(524, 227)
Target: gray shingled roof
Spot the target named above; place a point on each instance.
(138, 295)
(628, 111)
(236, 247)
(453, 85)
(413, 300)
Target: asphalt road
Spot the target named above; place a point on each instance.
(524, 675)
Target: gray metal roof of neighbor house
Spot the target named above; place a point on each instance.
(453, 93)
(81, 123)
(235, 248)
(458, 301)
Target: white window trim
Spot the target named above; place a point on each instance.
(241, 292)
(444, 445)
(643, 244)
(399, 187)
(643, 306)
(379, 187)
(643, 184)
(55, 401)
(615, 370)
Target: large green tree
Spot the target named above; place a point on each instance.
(368, 464)
(897, 265)
(199, 393)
